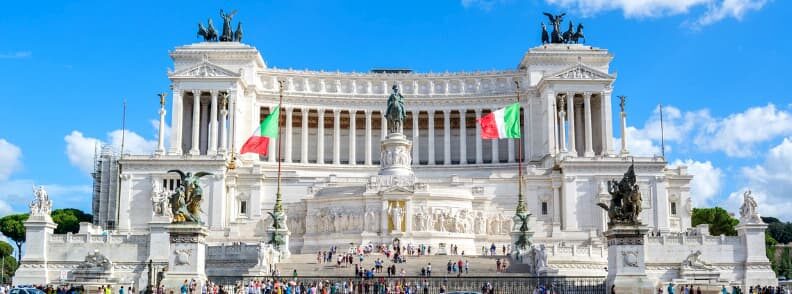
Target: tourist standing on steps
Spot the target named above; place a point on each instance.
(184, 287)
(429, 269)
(497, 265)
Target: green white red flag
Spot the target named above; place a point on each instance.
(502, 123)
(266, 132)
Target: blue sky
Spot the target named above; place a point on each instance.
(720, 67)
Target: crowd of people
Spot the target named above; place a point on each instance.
(690, 289)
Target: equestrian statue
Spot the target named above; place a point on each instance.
(209, 34)
(395, 113)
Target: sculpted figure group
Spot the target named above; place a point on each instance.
(625, 204)
(209, 34)
(571, 36)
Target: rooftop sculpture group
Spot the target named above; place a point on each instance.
(209, 33)
(625, 203)
(571, 36)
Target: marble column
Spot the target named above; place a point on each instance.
(479, 157)
(624, 151)
(556, 202)
(587, 108)
(416, 135)
(320, 137)
(232, 121)
(607, 123)
(494, 143)
(552, 123)
(212, 148)
(446, 137)
(287, 154)
(462, 136)
(336, 136)
(570, 99)
(304, 136)
(196, 123)
(224, 125)
(528, 148)
(383, 125)
(177, 116)
(367, 152)
(161, 130)
(203, 137)
(562, 132)
(272, 153)
(352, 137)
(431, 137)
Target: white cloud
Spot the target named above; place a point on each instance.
(10, 156)
(706, 182)
(738, 134)
(716, 10)
(676, 129)
(770, 181)
(81, 149)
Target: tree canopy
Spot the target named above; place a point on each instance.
(13, 227)
(68, 220)
(10, 263)
(719, 220)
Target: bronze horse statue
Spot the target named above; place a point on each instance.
(545, 35)
(209, 34)
(568, 35)
(578, 34)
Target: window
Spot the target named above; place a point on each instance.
(243, 207)
(673, 208)
(544, 207)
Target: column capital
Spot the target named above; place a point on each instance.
(367, 112)
(588, 94)
(477, 111)
(336, 111)
(352, 113)
(446, 111)
(289, 110)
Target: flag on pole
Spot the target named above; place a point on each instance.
(501, 124)
(267, 130)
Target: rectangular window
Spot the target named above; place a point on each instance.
(243, 207)
(544, 208)
(673, 208)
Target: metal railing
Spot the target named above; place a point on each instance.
(423, 284)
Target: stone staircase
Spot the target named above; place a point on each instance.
(306, 265)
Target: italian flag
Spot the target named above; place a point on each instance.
(501, 124)
(267, 130)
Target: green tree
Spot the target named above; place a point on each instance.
(719, 220)
(9, 263)
(13, 227)
(68, 219)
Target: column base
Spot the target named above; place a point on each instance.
(589, 154)
(194, 152)
(175, 151)
(159, 152)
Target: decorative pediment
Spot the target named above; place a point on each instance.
(205, 69)
(581, 72)
(397, 190)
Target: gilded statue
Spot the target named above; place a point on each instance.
(185, 202)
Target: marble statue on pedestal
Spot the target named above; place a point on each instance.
(748, 213)
(396, 215)
(625, 204)
(42, 204)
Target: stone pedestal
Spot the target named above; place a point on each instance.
(33, 269)
(187, 255)
(395, 155)
(626, 260)
(757, 266)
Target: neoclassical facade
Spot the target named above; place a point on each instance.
(346, 180)
(333, 126)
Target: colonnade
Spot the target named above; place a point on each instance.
(575, 120)
(341, 130)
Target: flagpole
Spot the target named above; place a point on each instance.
(520, 201)
(662, 133)
(278, 199)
